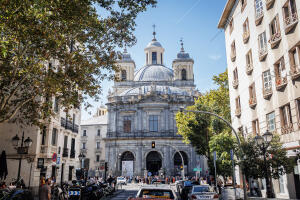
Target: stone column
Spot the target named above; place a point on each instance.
(138, 162)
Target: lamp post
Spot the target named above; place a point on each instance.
(23, 149)
(81, 157)
(263, 142)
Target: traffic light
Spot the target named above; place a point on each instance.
(153, 145)
(181, 167)
(106, 166)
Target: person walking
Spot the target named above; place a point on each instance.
(45, 192)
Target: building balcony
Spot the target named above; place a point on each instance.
(47, 151)
(275, 40)
(83, 150)
(280, 82)
(233, 56)
(267, 93)
(238, 112)
(235, 84)
(287, 128)
(72, 153)
(269, 4)
(97, 150)
(259, 17)
(295, 72)
(65, 152)
(290, 22)
(246, 36)
(252, 102)
(249, 68)
(263, 54)
(67, 124)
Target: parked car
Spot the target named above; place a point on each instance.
(187, 187)
(121, 180)
(202, 192)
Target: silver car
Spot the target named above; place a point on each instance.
(202, 192)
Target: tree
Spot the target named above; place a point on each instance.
(277, 161)
(61, 49)
(198, 129)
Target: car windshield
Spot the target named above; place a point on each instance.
(120, 178)
(156, 194)
(201, 189)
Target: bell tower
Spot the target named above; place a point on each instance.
(126, 67)
(183, 66)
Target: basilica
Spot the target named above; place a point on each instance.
(142, 136)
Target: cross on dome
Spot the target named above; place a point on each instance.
(181, 43)
(154, 33)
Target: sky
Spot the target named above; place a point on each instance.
(193, 20)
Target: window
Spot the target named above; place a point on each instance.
(231, 25)
(56, 108)
(262, 42)
(127, 124)
(255, 127)
(233, 53)
(238, 105)
(294, 55)
(44, 132)
(246, 26)
(252, 95)
(281, 184)
(97, 158)
(298, 110)
(274, 27)
(183, 74)
(241, 130)
(83, 145)
(280, 72)
(153, 123)
(243, 4)
(290, 12)
(71, 172)
(286, 118)
(258, 8)
(66, 141)
(147, 58)
(98, 145)
(249, 61)
(54, 135)
(271, 121)
(161, 58)
(123, 75)
(98, 132)
(154, 58)
(267, 80)
(84, 133)
(235, 75)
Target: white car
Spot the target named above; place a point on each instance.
(203, 192)
(156, 193)
(121, 180)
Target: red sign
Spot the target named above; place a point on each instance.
(54, 157)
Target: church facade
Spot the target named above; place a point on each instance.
(142, 136)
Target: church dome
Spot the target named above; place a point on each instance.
(154, 43)
(154, 73)
(157, 88)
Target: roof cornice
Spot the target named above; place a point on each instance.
(226, 12)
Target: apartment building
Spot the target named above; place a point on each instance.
(54, 149)
(92, 144)
(262, 39)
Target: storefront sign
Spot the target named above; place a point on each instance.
(40, 163)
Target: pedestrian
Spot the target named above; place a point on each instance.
(45, 190)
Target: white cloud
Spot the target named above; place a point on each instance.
(215, 57)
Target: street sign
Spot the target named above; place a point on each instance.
(197, 169)
(54, 157)
(149, 174)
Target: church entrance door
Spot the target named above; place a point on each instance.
(153, 162)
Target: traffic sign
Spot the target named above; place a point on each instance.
(54, 156)
(58, 160)
(74, 193)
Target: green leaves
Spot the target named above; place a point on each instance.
(59, 49)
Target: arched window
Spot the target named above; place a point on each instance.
(183, 74)
(123, 75)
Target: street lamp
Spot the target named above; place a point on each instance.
(23, 149)
(263, 142)
(81, 157)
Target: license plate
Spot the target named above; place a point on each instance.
(74, 193)
(204, 197)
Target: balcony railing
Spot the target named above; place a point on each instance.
(47, 151)
(67, 124)
(97, 150)
(288, 128)
(235, 83)
(281, 82)
(267, 92)
(263, 52)
(143, 134)
(65, 152)
(238, 112)
(246, 36)
(295, 72)
(233, 56)
(72, 153)
(290, 22)
(258, 17)
(275, 40)
(249, 68)
(252, 102)
(269, 4)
